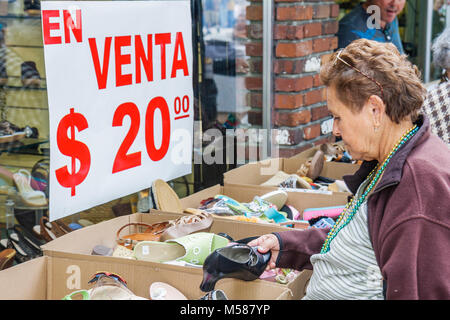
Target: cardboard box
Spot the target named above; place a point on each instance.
(256, 173)
(78, 244)
(52, 278)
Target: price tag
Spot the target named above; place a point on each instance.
(119, 84)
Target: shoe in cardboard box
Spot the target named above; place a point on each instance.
(257, 173)
(52, 278)
(79, 244)
(297, 198)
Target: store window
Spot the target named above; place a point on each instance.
(24, 123)
(220, 34)
(228, 99)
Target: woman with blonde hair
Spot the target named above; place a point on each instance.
(391, 240)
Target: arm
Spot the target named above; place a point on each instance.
(415, 260)
(297, 246)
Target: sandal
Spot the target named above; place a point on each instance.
(164, 197)
(44, 229)
(164, 291)
(277, 198)
(110, 286)
(29, 196)
(6, 258)
(78, 295)
(285, 180)
(192, 249)
(199, 222)
(313, 167)
(151, 233)
(64, 227)
(122, 252)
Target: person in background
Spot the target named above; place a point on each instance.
(437, 102)
(390, 240)
(363, 23)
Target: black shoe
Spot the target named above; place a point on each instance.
(21, 245)
(238, 261)
(27, 237)
(21, 255)
(32, 7)
(30, 74)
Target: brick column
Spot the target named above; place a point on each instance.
(303, 36)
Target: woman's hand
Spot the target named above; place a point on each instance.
(265, 243)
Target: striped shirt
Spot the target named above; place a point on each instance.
(349, 269)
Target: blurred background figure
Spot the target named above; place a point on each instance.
(366, 23)
(437, 102)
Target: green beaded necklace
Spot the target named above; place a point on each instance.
(353, 206)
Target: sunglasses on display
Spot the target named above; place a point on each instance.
(111, 275)
(356, 69)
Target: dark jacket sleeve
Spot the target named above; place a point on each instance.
(297, 246)
(415, 260)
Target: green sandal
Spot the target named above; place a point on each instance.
(84, 295)
(193, 248)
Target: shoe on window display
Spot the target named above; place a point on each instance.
(21, 254)
(9, 132)
(6, 258)
(32, 7)
(30, 74)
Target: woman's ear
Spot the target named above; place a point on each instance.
(376, 109)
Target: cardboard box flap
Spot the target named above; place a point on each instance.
(53, 278)
(26, 281)
(71, 274)
(256, 172)
(193, 201)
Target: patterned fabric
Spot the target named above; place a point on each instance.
(436, 106)
(349, 271)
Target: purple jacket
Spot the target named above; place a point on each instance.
(408, 217)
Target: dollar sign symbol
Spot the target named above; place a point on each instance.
(74, 149)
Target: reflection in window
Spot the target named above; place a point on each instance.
(224, 36)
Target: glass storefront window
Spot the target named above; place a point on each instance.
(438, 24)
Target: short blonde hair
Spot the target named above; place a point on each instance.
(402, 90)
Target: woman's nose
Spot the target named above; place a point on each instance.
(336, 131)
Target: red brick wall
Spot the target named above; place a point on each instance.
(303, 35)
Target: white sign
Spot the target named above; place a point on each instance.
(119, 83)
